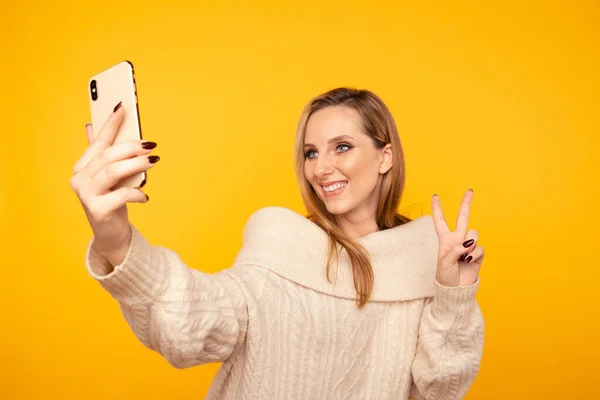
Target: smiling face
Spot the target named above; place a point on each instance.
(342, 163)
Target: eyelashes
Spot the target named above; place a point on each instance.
(307, 153)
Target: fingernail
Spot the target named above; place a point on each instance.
(468, 242)
(469, 259)
(435, 195)
(148, 145)
(147, 198)
(117, 106)
(462, 258)
(471, 190)
(153, 159)
(88, 125)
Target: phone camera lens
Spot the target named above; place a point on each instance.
(94, 90)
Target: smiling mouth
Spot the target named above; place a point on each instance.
(335, 186)
(335, 189)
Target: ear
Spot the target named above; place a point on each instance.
(386, 160)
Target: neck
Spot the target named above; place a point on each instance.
(354, 225)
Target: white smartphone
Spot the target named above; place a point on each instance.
(106, 89)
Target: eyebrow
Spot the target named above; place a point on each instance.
(335, 139)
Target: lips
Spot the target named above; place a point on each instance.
(337, 191)
(330, 183)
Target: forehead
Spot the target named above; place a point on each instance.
(330, 122)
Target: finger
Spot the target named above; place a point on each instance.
(454, 254)
(111, 126)
(111, 174)
(108, 203)
(84, 159)
(462, 221)
(473, 236)
(438, 216)
(89, 130)
(113, 154)
(476, 256)
(104, 140)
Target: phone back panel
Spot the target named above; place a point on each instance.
(113, 85)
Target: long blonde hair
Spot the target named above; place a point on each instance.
(378, 123)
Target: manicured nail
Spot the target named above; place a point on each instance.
(148, 145)
(147, 198)
(153, 159)
(462, 258)
(471, 190)
(468, 242)
(469, 259)
(117, 106)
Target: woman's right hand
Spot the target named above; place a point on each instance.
(100, 167)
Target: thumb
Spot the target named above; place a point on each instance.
(89, 130)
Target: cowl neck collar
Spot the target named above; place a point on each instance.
(404, 258)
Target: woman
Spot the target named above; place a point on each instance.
(399, 318)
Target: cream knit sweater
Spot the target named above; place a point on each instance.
(284, 332)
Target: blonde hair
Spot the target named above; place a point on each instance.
(378, 124)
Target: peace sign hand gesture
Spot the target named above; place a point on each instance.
(459, 257)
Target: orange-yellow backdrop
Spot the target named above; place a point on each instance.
(499, 96)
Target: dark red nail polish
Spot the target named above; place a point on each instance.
(462, 258)
(468, 242)
(469, 259)
(117, 106)
(147, 198)
(148, 145)
(153, 159)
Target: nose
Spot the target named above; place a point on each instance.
(324, 166)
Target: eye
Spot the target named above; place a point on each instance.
(308, 154)
(342, 146)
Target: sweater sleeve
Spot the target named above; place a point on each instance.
(450, 344)
(187, 316)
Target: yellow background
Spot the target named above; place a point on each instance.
(499, 96)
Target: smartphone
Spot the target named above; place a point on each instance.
(106, 89)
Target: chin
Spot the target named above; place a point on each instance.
(338, 208)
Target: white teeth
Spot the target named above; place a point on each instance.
(335, 186)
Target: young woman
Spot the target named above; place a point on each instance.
(353, 301)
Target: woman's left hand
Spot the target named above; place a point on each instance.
(459, 257)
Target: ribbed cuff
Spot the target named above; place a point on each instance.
(138, 278)
(457, 301)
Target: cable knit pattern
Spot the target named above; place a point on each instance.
(282, 331)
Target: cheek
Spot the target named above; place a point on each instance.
(359, 167)
(308, 172)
